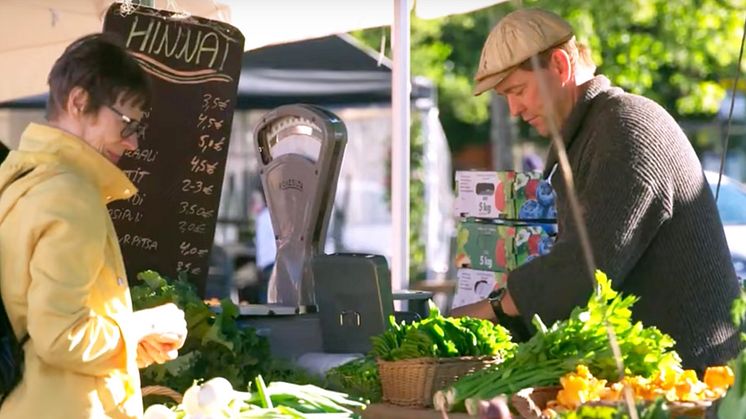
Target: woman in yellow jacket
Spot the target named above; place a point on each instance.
(62, 278)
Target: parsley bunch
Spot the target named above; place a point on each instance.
(215, 345)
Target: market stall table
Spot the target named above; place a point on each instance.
(388, 411)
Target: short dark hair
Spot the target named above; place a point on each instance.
(99, 64)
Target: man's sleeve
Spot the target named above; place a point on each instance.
(623, 213)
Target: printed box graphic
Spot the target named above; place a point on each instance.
(504, 195)
(474, 286)
(500, 247)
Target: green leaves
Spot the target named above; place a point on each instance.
(153, 279)
(215, 345)
(441, 337)
(733, 404)
(643, 46)
(657, 410)
(358, 378)
(582, 338)
(677, 52)
(738, 312)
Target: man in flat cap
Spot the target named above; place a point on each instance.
(651, 217)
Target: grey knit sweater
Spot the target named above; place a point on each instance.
(653, 225)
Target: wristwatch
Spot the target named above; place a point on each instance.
(515, 324)
(495, 298)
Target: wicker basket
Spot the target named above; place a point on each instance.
(413, 382)
(162, 391)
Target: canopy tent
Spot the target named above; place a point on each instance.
(333, 70)
(34, 32)
(324, 71)
(278, 21)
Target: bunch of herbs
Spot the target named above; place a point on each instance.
(215, 346)
(583, 338)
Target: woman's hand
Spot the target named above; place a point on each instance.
(157, 350)
(162, 323)
(161, 332)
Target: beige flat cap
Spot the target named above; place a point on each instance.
(514, 39)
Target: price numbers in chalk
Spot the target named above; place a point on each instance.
(193, 220)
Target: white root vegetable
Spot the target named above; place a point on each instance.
(215, 395)
(190, 402)
(159, 411)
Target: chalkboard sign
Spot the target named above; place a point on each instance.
(194, 66)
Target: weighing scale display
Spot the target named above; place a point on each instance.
(300, 150)
(293, 135)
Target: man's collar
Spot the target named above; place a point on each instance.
(588, 91)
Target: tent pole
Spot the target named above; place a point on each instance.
(400, 120)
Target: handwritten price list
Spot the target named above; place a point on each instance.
(194, 67)
(193, 217)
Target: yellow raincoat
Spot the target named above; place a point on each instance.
(63, 281)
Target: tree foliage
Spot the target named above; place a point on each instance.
(680, 53)
(676, 52)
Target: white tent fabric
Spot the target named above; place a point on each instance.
(270, 22)
(33, 33)
(439, 223)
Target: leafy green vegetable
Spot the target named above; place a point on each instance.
(358, 378)
(657, 410)
(442, 337)
(581, 339)
(280, 369)
(738, 312)
(215, 345)
(305, 399)
(733, 404)
(261, 388)
(274, 400)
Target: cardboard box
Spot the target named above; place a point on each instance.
(484, 194)
(474, 286)
(533, 197)
(499, 246)
(504, 195)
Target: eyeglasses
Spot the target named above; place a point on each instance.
(131, 125)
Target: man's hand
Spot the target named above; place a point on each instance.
(508, 305)
(481, 310)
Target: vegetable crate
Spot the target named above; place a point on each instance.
(505, 194)
(413, 382)
(499, 247)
